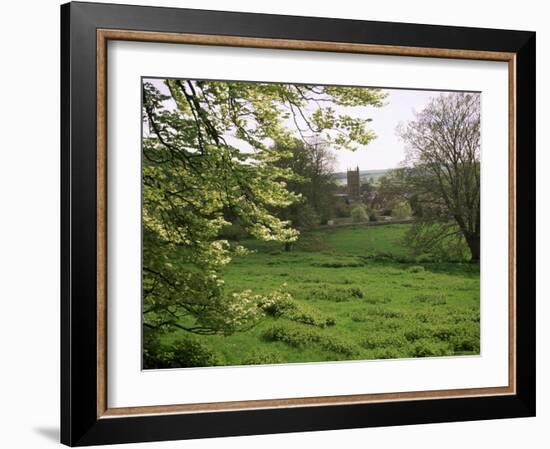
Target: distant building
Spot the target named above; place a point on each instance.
(353, 189)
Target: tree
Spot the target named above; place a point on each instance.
(401, 210)
(359, 214)
(209, 159)
(443, 172)
(312, 163)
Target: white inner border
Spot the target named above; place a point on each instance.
(129, 386)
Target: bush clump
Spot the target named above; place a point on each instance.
(359, 214)
(192, 353)
(311, 318)
(356, 293)
(336, 294)
(384, 340)
(428, 348)
(377, 300)
(302, 338)
(185, 353)
(283, 305)
(401, 211)
(385, 313)
(359, 317)
(413, 333)
(277, 305)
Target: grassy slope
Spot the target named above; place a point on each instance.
(380, 308)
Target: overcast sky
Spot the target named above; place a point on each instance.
(387, 150)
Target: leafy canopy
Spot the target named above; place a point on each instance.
(210, 156)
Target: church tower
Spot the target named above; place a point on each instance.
(354, 184)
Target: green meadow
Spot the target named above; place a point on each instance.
(356, 295)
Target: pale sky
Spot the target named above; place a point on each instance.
(387, 150)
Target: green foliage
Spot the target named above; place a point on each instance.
(262, 358)
(233, 232)
(322, 319)
(304, 217)
(443, 241)
(312, 163)
(282, 305)
(341, 209)
(197, 182)
(382, 340)
(339, 264)
(301, 338)
(183, 353)
(442, 177)
(401, 210)
(335, 294)
(359, 214)
(434, 299)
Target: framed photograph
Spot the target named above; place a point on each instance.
(281, 224)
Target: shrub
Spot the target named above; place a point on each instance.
(356, 292)
(302, 338)
(387, 353)
(416, 269)
(428, 348)
(465, 344)
(423, 317)
(359, 214)
(385, 313)
(184, 353)
(413, 333)
(277, 305)
(154, 356)
(359, 317)
(192, 353)
(338, 346)
(307, 317)
(290, 336)
(401, 211)
(383, 340)
(305, 217)
(341, 209)
(377, 300)
(327, 293)
(443, 333)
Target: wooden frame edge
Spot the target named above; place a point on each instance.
(103, 36)
(291, 44)
(101, 223)
(318, 401)
(512, 262)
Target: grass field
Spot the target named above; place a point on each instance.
(357, 295)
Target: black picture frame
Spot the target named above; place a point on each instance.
(80, 424)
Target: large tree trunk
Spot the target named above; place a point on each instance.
(473, 242)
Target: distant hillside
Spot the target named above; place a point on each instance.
(372, 175)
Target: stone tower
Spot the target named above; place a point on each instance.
(354, 184)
